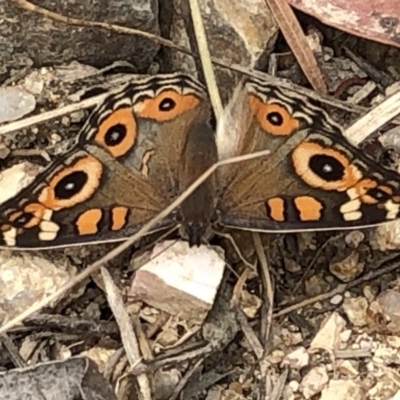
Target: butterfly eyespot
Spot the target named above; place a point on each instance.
(274, 118)
(324, 167)
(167, 104)
(76, 182)
(115, 135)
(22, 220)
(378, 194)
(70, 185)
(327, 167)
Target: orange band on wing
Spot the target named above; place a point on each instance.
(309, 208)
(119, 218)
(5, 227)
(87, 223)
(276, 208)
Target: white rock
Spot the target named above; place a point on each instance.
(15, 102)
(340, 389)
(180, 280)
(328, 337)
(297, 359)
(356, 310)
(13, 179)
(26, 279)
(314, 382)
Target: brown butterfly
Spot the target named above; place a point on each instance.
(143, 146)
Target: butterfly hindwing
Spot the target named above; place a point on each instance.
(82, 198)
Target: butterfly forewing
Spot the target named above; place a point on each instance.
(145, 126)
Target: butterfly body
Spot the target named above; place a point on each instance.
(145, 145)
(199, 154)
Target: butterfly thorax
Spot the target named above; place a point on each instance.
(200, 153)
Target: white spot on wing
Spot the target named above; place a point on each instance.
(47, 236)
(392, 209)
(352, 193)
(350, 206)
(48, 230)
(47, 215)
(352, 216)
(9, 237)
(49, 226)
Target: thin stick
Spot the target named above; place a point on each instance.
(291, 30)
(26, 5)
(128, 336)
(266, 277)
(48, 115)
(205, 58)
(374, 119)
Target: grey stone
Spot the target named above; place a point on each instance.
(29, 37)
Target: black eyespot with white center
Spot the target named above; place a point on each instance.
(167, 104)
(70, 185)
(23, 219)
(115, 135)
(326, 167)
(378, 194)
(275, 118)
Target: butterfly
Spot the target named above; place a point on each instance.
(146, 144)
